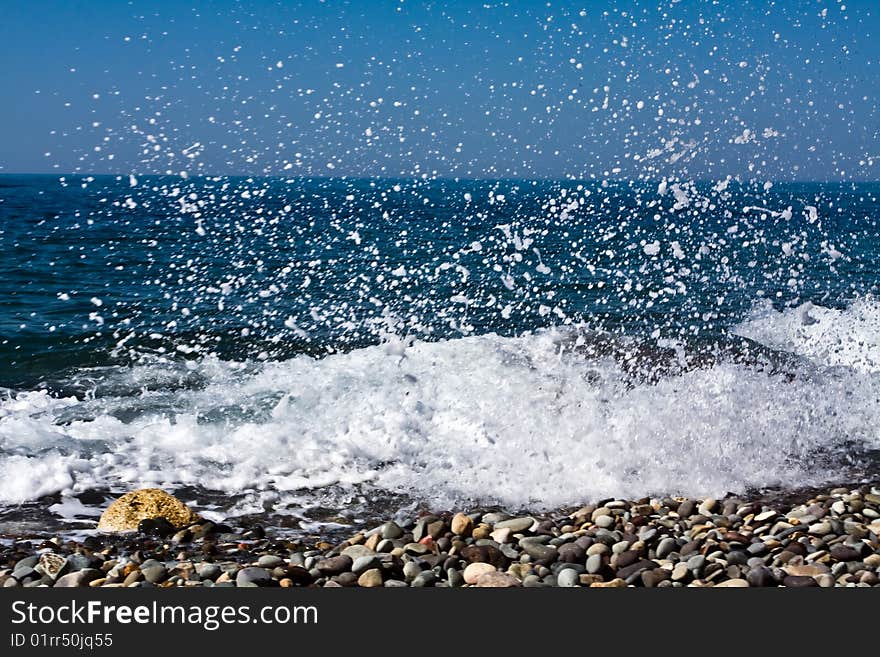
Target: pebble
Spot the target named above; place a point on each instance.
(454, 577)
(502, 535)
(79, 578)
(52, 565)
(515, 525)
(799, 581)
(605, 521)
(594, 563)
(844, 553)
(411, 570)
(571, 553)
(665, 547)
(355, 552)
(362, 564)
(424, 578)
(334, 565)
(760, 576)
(370, 578)
(462, 525)
(568, 578)
(497, 580)
(154, 573)
(269, 561)
(696, 563)
(680, 572)
(806, 570)
(253, 576)
(473, 571)
(597, 548)
(540, 552)
(825, 581)
(391, 530)
(208, 570)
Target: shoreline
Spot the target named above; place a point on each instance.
(816, 537)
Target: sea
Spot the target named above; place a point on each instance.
(318, 353)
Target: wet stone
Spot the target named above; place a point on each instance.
(571, 553)
(252, 576)
(269, 561)
(845, 553)
(516, 525)
(391, 530)
(334, 565)
(665, 547)
(799, 581)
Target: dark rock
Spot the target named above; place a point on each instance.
(485, 554)
(737, 557)
(760, 576)
(571, 553)
(625, 559)
(687, 508)
(334, 565)
(154, 573)
(299, 575)
(635, 568)
(208, 571)
(540, 553)
(425, 578)
(255, 532)
(346, 579)
(845, 553)
(558, 567)
(79, 561)
(689, 548)
(757, 549)
(651, 578)
(799, 581)
(156, 527)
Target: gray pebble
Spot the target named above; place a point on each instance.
(253, 576)
(269, 561)
(567, 578)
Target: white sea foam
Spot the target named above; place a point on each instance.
(488, 419)
(826, 336)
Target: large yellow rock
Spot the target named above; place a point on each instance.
(125, 513)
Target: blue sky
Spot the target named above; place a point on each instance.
(520, 89)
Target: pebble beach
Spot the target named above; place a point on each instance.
(828, 538)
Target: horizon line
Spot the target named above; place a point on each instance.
(732, 178)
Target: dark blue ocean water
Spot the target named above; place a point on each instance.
(274, 267)
(319, 343)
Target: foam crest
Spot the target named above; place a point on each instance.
(826, 336)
